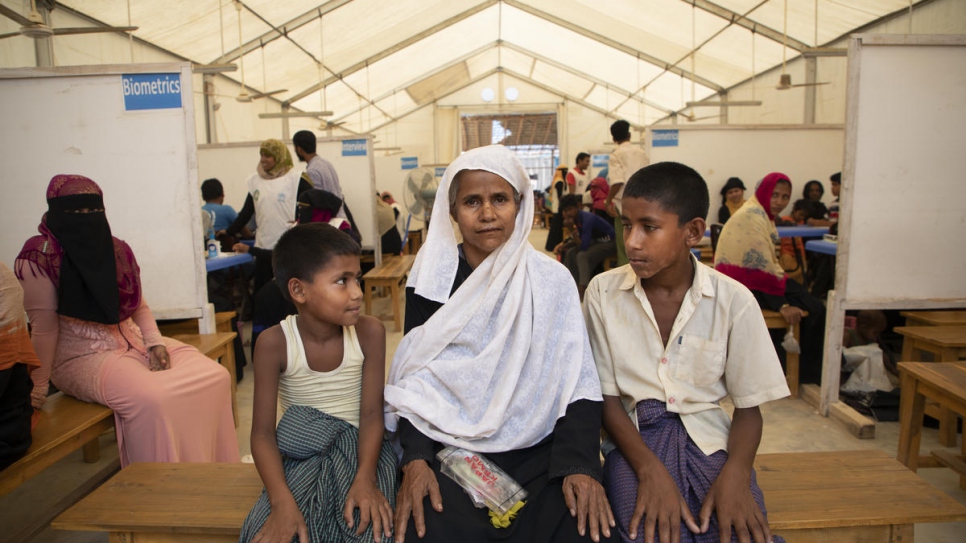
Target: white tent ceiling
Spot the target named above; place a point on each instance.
(373, 61)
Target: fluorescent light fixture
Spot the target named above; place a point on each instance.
(736, 103)
(289, 115)
(387, 148)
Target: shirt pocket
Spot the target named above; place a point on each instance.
(700, 362)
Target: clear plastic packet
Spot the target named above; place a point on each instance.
(790, 344)
(487, 484)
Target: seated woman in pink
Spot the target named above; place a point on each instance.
(97, 340)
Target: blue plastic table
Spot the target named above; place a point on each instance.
(822, 246)
(227, 260)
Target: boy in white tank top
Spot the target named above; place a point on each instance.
(326, 367)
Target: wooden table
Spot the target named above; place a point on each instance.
(935, 318)
(391, 273)
(217, 347)
(946, 385)
(848, 496)
(168, 502)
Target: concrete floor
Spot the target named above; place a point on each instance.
(791, 425)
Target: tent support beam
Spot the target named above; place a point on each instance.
(742, 21)
(395, 48)
(614, 44)
(279, 32)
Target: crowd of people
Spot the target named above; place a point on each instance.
(507, 353)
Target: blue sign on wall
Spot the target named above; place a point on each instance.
(599, 161)
(151, 91)
(409, 162)
(354, 147)
(664, 138)
(440, 171)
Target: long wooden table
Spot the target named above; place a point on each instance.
(942, 383)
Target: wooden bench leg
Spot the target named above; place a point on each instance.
(911, 407)
(92, 451)
(791, 364)
(368, 295)
(396, 306)
(229, 362)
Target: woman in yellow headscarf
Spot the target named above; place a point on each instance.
(273, 192)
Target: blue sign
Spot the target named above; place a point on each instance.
(664, 138)
(354, 147)
(440, 171)
(151, 91)
(599, 161)
(410, 162)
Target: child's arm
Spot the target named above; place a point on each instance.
(657, 494)
(364, 494)
(730, 495)
(285, 519)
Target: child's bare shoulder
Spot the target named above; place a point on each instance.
(270, 347)
(370, 328)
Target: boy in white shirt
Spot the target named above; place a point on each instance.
(671, 338)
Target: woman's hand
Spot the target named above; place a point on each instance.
(418, 481)
(372, 506)
(158, 359)
(730, 497)
(660, 500)
(284, 522)
(588, 503)
(792, 314)
(239, 248)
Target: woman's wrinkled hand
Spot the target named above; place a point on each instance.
(158, 359)
(587, 501)
(418, 482)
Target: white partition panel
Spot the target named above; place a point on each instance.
(76, 120)
(903, 195)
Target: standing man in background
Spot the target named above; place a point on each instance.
(579, 178)
(623, 163)
(319, 171)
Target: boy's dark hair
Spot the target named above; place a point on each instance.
(676, 187)
(304, 140)
(802, 205)
(306, 249)
(581, 156)
(836, 177)
(211, 189)
(620, 131)
(571, 200)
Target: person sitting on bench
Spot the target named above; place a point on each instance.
(17, 359)
(98, 342)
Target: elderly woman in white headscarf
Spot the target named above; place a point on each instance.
(495, 360)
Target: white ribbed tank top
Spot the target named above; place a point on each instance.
(337, 392)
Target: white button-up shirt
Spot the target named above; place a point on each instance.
(718, 346)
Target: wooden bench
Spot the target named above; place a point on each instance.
(775, 321)
(946, 385)
(391, 273)
(947, 344)
(66, 424)
(848, 496)
(223, 324)
(216, 347)
(852, 496)
(934, 318)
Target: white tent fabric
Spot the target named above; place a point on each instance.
(372, 59)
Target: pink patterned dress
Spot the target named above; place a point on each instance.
(182, 414)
